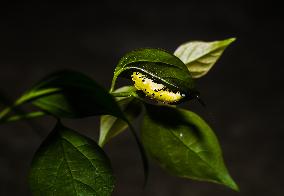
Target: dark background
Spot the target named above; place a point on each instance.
(244, 91)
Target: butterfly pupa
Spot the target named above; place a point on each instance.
(155, 90)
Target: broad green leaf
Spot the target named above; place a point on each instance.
(199, 57)
(112, 126)
(184, 145)
(69, 94)
(68, 163)
(158, 65)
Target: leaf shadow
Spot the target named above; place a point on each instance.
(172, 118)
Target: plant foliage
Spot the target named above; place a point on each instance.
(180, 141)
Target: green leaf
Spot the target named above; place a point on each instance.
(158, 65)
(23, 116)
(200, 57)
(184, 145)
(68, 163)
(125, 91)
(112, 126)
(69, 94)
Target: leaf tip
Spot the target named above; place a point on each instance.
(231, 40)
(230, 183)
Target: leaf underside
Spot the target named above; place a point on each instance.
(70, 94)
(199, 56)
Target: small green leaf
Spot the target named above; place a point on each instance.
(68, 163)
(23, 116)
(184, 145)
(112, 126)
(125, 91)
(200, 57)
(158, 65)
(69, 94)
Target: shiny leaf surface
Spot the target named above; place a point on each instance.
(184, 145)
(158, 65)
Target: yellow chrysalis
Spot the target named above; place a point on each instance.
(154, 90)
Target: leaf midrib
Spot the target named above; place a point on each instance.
(70, 171)
(154, 76)
(76, 148)
(184, 144)
(204, 55)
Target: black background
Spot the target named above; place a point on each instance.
(243, 91)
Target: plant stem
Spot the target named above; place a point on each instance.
(112, 84)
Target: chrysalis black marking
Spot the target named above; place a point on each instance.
(155, 90)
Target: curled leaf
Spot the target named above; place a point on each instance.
(159, 66)
(70, 94)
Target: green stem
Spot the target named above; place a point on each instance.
(143, 155)
(112, 84)
(113, 81)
